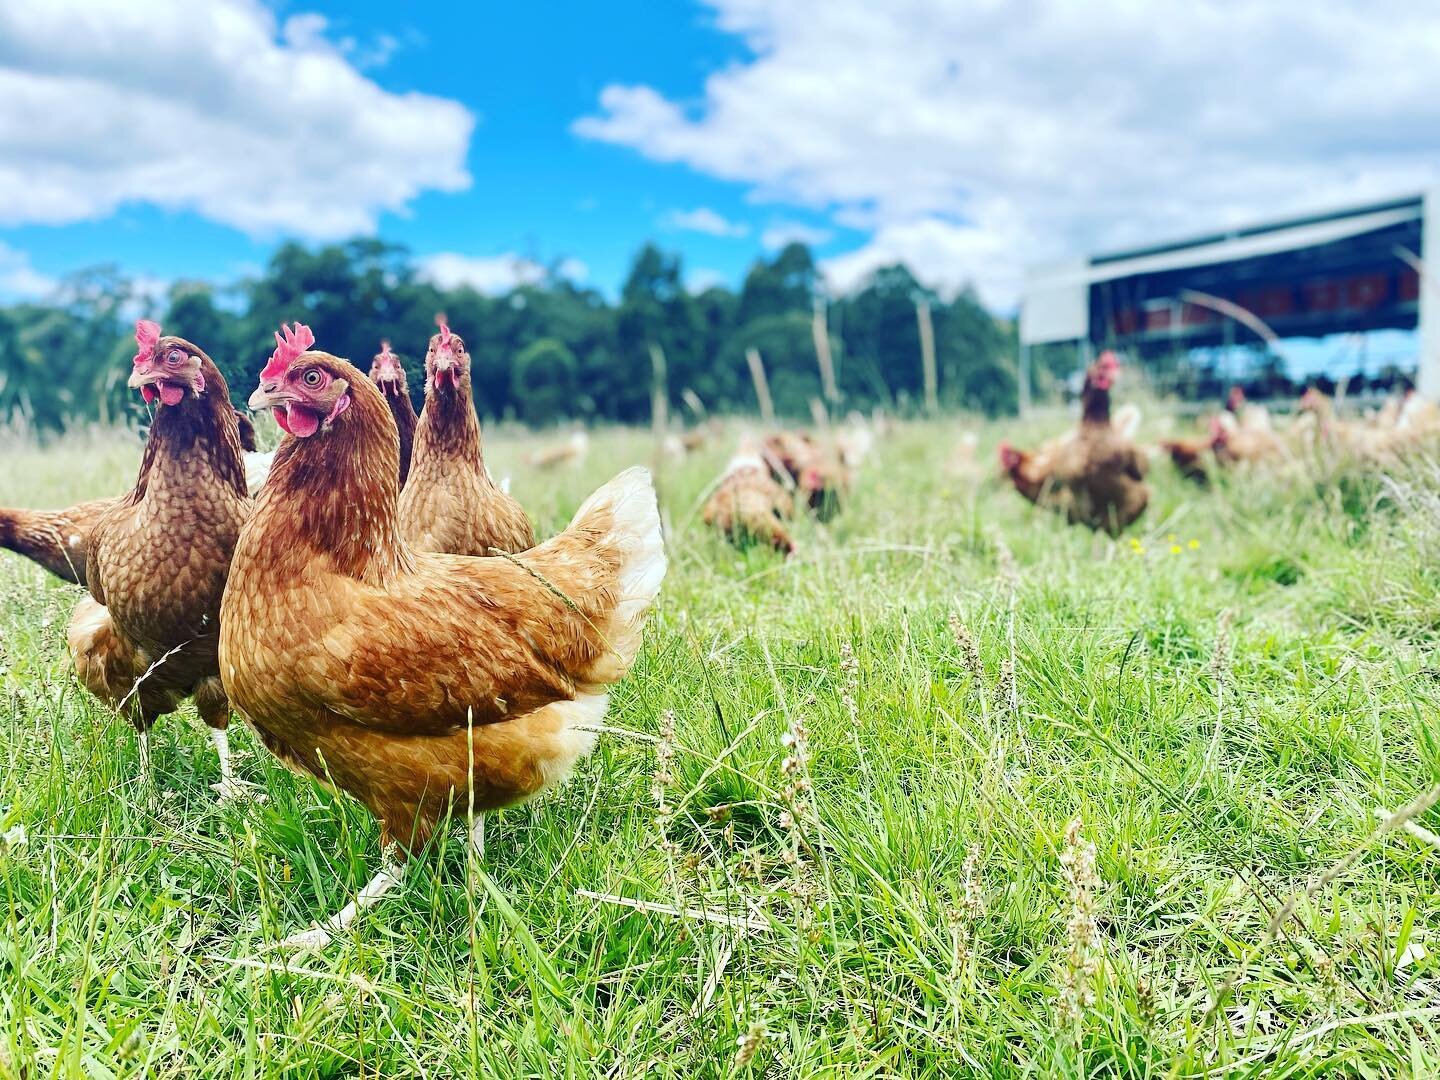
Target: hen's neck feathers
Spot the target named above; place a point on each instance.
(334, 493)
(449, 426)
(402, 411)
(194, 442)
(1095, 405)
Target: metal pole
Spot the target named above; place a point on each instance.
(1024, 380)
(1428, 330)
(821, 332)
(762, 385)
(927, 356)
(659, 402)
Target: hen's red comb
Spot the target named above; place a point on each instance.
(444, 331)
(385, 348)
(147, 336)
(296, 340)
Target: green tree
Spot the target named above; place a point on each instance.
(542, 351)
(543, 381)
(654, 309)
(787, 346)
(786, 285)
(193, 315)
(720, 385)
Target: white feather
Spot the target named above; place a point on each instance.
(1127, 419)
(635, 526)
(257, 469)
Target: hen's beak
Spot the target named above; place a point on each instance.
(143, 376)
(267, 395)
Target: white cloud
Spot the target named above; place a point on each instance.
(493, 274)
(572, 268)
(701, 278)
(704, 220)
(776, 236)
(944, 253)
(206, 106)
(975, 138)
(19, 280)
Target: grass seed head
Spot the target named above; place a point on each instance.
(1082, 956)
(969, 648)
(849, 695)
(749, 1044)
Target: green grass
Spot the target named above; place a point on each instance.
(123, 917)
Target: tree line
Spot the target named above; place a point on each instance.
(544, 352)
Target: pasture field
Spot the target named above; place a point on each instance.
(1223, 703)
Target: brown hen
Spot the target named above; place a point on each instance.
(1095, 476)
(817, 473)
(748, 505)
(59, 540)
(146, 637)
(450, 504)
(419, 683)
(388, 374)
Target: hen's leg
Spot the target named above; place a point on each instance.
(320, 935)
(230, 786)
(214, 709)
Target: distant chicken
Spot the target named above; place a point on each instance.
(748, 505)
(571, 452)
(146, 637)
(1394, 432)
(419, 683)
(816, 473)
(692, 441)
(1188, 455)
(1096, 476)
(450, 504)
(388, 374)
(1247, 414)
(1418, 415)
(245, 428)
(1235, 444)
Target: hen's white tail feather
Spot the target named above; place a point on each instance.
(257, 469)
(1127, 419)
(635, 530)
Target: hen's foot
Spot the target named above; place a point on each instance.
(306, 941)
(233, 788)
(319, 936)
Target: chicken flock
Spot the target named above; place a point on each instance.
(380, 611)
(1096, 474)
(402, 638)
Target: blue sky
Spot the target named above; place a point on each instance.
(186, 138)
(539, 191)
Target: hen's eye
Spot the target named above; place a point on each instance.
(311, 378)
(174, 356)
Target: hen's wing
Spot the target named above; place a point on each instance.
(59, 540)
(481, 639)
